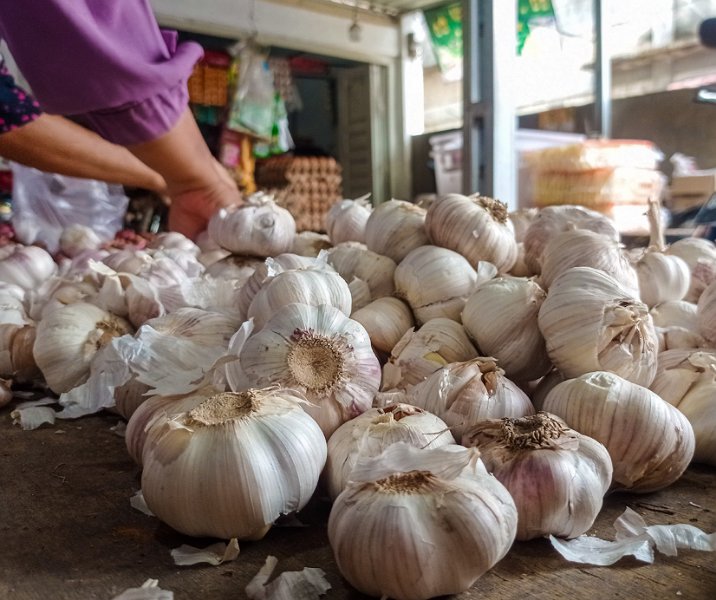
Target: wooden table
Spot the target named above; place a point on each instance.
(67, 532)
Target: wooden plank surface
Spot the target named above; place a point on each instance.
(67, 532)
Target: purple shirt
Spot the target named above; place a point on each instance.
(104, 63)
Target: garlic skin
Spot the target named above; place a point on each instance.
(700, 255)
(706, 314)
(322, 353)
(258, 228)
(421, 352)
(78, 238)
(173, 240)
(477, 227)
(129, 396)
(234, 266)
(369, 434)
(544, 387)
(17, 336)
(310, 243)
(346, 220)
(354, 261)
(501, 317)
(662, 278)
(521, 220)
(68, 338)
(464, 393)
(386, 320)
(231, 466)
(415, 524)
(675, 314)
(687, 380)
(394, 228)
(435, 281)
(128, 261)
(556, 476)
(611, 410)
(26, 266)
(520, 268)
(591, 323)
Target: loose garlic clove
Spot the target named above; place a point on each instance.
(369, 434)
(435, 281)
(346, 220)
(231, 466)
(386, 320)
(394, 228)
(26, 266)
(700, 255)
(501, 316)
(611, 410)
(477, 227)
(706, 314)
(415, 524)
(662, 278)
(556, 476)
(320, 352)
(353, 260)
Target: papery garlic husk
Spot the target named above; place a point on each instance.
(421, 352)
(386, 320)
(700, 255)
(591, 323)
(78, 238)
(372, 432)
(235, 266)
(706, 314)
(435, 281)
(687, 380)
(394, 228)
(675, 314)
(649, 441)
(322, 353)
(415, 524)
(521, 220)
(58, 293)
(662, 278)
(353, 260)
(174, 240)
(583, 248)
(26, 266)
(360, 294)
(310, 243)
(552, 220)
(231, 466)
(501, 317)
(67, 340)
(312, 285)
(556, 476)
(208, 293)
(478, 227)
(128, 261)
(259, 228)
(464, 393)
(346, 220)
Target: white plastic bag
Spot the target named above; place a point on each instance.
(44, 204)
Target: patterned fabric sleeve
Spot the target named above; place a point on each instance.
(17, 107)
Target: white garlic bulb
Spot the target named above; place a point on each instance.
(346, 220)
(520, 268)
(310, 243)
(465, 393)
(552, 220)
(556, 476)
(706, 314)
(477, 227)
(386, 320)
(234, 266)
(677, 313)
(25, 266)
(419, 353)
(591, 323)
(78, 238)
(68, 338)
(700, 255)
(372, 432)
(258, 228)
(231, 466)
(662, 278)
(521, 220)
(394, 228)
(414, 524)
(128, 261)
(321, 352)
(435, 281)
(544, 387)
(173, 240)
(687, 380)
(354, 261)
(649, 441)
(129, 396)
(17, 336)
(501, 316)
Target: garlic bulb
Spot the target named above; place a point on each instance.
(687, 380)
(231, 466)
(173, 240)
(415, 524)
(5, 392)
(544, 387)
(310, 243)
(78, 238)
(501, 317)
(662, 278)
(322, 353)
(234, 266)
(672, 338)
(129, 396)
(700, 255)
(346, 220)
(591, 323)
(465, 393)
(677, 313)
(67, 340)
(435, 282)
(259, 228)
(128, 261)
(521, 220)
(360, 294)
(17, 336)
(556, 476)
(25, 266)
(386, 320)
(583, 248)
(419, 353)
(649, 441)
(394, 228)
(706, 314)
(552, 220)
(477, 227)
(372, 432)
(354, 261)
(520, 268)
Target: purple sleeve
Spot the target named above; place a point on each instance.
(103, 62)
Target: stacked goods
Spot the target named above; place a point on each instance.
(614, 177)
(306, 186)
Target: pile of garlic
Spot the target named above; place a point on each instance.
(258, 366)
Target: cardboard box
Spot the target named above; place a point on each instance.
(691, 191)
